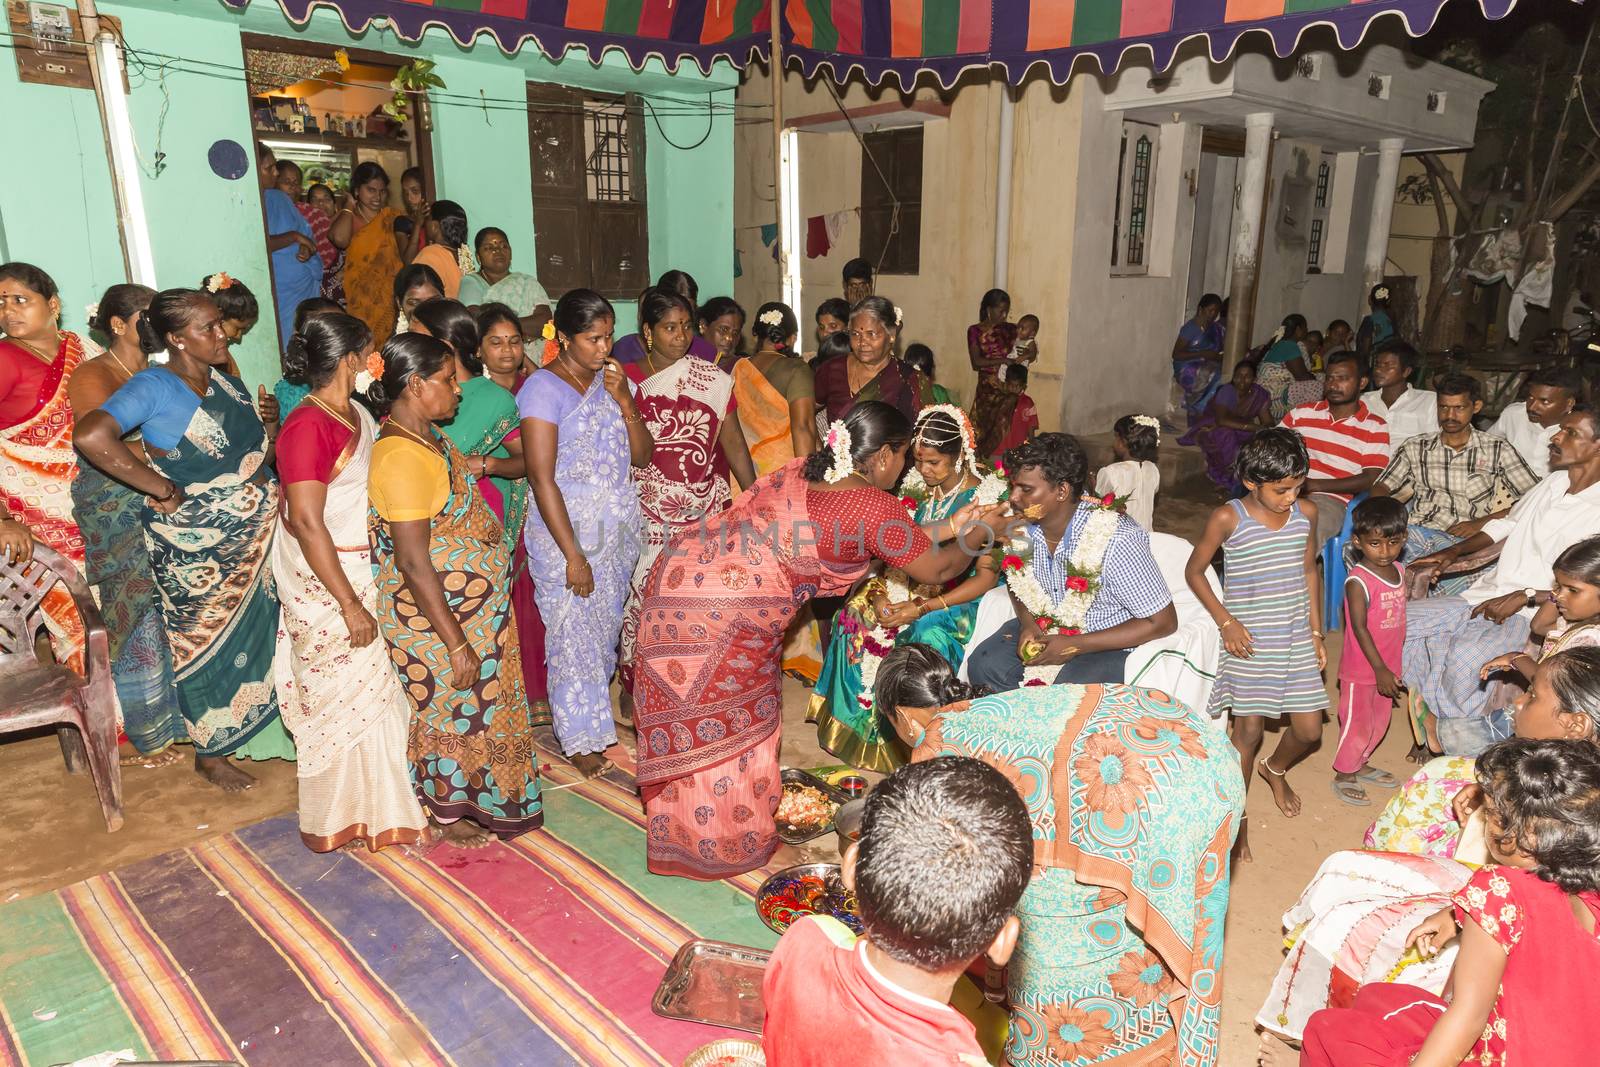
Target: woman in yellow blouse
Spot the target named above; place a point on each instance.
(443, 575)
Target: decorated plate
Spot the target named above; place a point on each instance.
(806, 889)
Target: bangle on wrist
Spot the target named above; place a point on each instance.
(172, 491)
(464, 643)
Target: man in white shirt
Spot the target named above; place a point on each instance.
(1408, 411)
(1449, 639)
(1530, 425)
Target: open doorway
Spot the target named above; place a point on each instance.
(1216, 193)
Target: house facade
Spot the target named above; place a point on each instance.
(594, 170)
(1110, 205)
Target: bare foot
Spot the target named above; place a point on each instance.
(463, 833)
(222, 774)
(592, 764)
(1241, 844)
(1287, 799)
(1274, 1051)
(132, 757)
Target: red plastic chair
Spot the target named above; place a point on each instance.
(35, 694)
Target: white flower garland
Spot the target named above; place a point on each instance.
(839, 443)
(877, 642)
(771, 318)
(1070, 614)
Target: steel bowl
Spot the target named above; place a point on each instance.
(847, 822)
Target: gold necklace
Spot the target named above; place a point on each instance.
(346, 423)
(432, 446)
(112, 352)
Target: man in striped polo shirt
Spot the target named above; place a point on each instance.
(1348, 443)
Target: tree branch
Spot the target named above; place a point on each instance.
(1569, 199)
(1438, 171)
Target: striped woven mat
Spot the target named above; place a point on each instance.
(248, 947)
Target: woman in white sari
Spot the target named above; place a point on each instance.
(337, 688)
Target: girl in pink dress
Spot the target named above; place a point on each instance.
(1374, 634)
(1522, 987)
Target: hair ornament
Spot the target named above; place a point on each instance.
(773, 317)
(1381, 293)
(839, 443)
(369, 373)
(549, 331)
(464, 259)
(899, 317)
(218, 282)
(91, 312)
(1279, 334)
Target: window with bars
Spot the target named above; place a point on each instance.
(1136, 173)
(589, 206)
(1319, 215)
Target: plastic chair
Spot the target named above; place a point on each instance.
(33, 694)
(1335, 570)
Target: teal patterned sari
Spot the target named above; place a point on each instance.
(846, 727)
(212, 564)
(1135, 802)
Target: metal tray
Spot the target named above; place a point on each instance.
(716, 983)
(806, 889)
(789, 835)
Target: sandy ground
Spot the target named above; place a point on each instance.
(52, 834)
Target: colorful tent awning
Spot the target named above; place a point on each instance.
(887, 38)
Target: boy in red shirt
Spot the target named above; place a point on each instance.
(945, 852)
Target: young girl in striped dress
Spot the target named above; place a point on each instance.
(1270, 614)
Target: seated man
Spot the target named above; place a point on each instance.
(1453, 480)
(1529, 425)
(1131, 603)
(1449, 639)
(1347, 442)
(1408, 411)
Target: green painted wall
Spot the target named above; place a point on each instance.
(190, 92)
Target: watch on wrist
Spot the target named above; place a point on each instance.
(1532, 595)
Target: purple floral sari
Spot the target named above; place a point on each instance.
(1220, 443)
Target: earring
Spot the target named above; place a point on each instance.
(180, 344)
(117, 332)
(649, 344)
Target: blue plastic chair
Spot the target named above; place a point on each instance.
(1335, 570)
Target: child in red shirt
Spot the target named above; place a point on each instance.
(1521, 991)
(1024, 416)
(945, 852)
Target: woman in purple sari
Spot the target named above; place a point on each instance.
(582, 434)
(1233, 416)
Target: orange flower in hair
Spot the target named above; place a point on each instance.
(375, 364)
(552, 349)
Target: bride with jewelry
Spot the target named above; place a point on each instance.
(890, 609)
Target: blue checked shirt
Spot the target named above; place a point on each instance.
(1131, 586)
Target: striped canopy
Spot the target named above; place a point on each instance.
(887, 38)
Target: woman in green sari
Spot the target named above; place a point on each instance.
(210, 509)
(889, 611)
(1135, 801)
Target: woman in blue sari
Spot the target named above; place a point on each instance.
(1284, 371)
(1197, 356)
(946, 478)
(210, 509)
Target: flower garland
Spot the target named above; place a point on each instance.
(371, 372)
(1068, 616)
(839, 443)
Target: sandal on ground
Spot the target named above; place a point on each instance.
(1350, 792)
(1374, 776)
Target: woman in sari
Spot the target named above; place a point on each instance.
(944, 479)
(871, 372)
(414, 285)
(721, 323)
(487, 430)
(117, 564)
(365, 230)
(1135, 801)
(1197, 357)
(989, 344)
(1232, 417)
(710, 637)
(210, 511)
(446, 251)
(443, 569)
(505, 363)
(337, 689)
(583, 435)
(686, 404)
(37, 463)
(1283, 371)
(1350, 925)
(496, 283)
(774, 396)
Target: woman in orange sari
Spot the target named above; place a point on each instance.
(365, 230)
(776, 404)
(37, 463)
(715, 609)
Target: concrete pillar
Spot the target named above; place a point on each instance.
(1382, 214)
(1247, 237)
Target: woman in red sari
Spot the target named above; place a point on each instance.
(710, 635)
(37, 463)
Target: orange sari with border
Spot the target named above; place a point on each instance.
(370, 263)
(37, 466)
